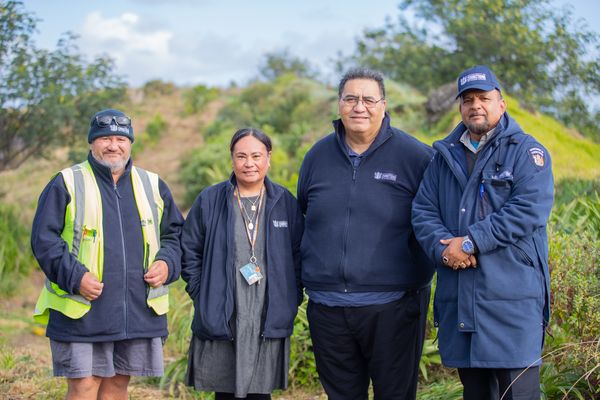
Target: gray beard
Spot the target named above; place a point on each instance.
(114, 166)
(479, 129)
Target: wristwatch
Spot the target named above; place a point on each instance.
(467, 245)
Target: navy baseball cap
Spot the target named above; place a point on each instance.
(479, 77)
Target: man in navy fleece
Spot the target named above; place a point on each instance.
(366, 276)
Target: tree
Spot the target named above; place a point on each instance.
(281, 62)
(541, 55)
(46, 97)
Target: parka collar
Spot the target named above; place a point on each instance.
(506, 127)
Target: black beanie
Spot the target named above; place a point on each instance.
(110, 130)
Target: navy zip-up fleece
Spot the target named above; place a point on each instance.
(207, 267)
(121, 311)
(358, 235)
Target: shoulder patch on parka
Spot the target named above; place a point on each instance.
(536, 156)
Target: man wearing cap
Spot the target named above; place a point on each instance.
(106, 235)
(481, 214)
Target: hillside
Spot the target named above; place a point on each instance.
(24, 351)
(182, 135)
(573, 156)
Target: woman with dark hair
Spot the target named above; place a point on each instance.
(241, 262)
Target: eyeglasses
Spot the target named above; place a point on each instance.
(352, 101)
(106, 120)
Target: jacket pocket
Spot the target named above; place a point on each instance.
(523, 255)
(494, 191)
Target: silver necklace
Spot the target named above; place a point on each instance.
(252, 208)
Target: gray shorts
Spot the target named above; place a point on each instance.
(134, 357)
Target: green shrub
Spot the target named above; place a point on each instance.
(148, 138)
(196, 98)
(580, 216)
(155, 128)
(572, 355)
(569, 189)
(157, 87)
(16, 259)
(205, 167)
(303, 370)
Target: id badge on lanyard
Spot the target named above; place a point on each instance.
(251, 271)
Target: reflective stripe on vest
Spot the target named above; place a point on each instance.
(83, 233)
(150, 206)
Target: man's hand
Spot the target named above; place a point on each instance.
(89, 287)
(157, 273)
(454, 257)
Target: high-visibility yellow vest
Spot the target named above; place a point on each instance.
(84, 235)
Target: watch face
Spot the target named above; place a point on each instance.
(467, 246)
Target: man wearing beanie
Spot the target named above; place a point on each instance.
(481, 214)
(106, 235)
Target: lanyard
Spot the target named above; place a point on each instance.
(251, 236)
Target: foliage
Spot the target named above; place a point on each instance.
(567, 190)
(278, 63)
(576, 283)
(446, 389)
(563, 375)
(540, 53)
(16, 260)
(197, 97)
(46, 97)
(572, 357)
(429, 357)
(205, 167)
(157, 88)
(156, 127)
(405, 106)
(292, 111)
(580, 215)
(302, 361)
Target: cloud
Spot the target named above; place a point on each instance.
(135, 48)
(144, 47)
(214, 59)
(145, 50)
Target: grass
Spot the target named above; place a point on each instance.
(572, 361)
(16, 261)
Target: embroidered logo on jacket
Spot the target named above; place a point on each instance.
(280, 224)
(385, 176)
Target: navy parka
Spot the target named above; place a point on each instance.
(207, 266)
(121, 311)
(492, 316)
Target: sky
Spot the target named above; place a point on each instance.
(217, 42)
